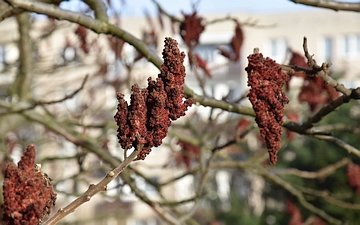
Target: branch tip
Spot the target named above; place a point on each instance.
(111, 173)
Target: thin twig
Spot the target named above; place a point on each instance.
(322, 71)
(92, 190)
(349, 148)
(330, 199)
(99, 8)
(320, 174)
(300, 197)
(325, 110)
(37, 103)
(162, 11)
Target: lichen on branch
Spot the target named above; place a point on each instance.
(266, 80)
(146, 120)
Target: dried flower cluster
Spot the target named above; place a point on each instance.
(314, 90)
(353, 175)
(28, 193)
(116, 44)
(266, 80)
(242, 128)
(295, 215)
(145, 122)
(191, 29)
(195, 58)
(82, 33)
(189, 152)
(236, 43)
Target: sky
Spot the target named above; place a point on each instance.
(135, 8)
(130, 8)
(213, 6)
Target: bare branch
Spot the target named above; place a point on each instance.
(322, 71)
(7, 11)
(320, 174)
(214, 103)
(164, 215)
(36, 103)
(251, 166)
(161, 9)
(325, 110)
(334, 5)
(330, 199)
(24, 76)
(349, 148)
(66, 96)
(300, 197)
(99, 8)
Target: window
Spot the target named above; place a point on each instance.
(347, 44)
(276, 49)
(2, 57)
(206, 52)
(328, 41)
(351, 46)
(148, 221)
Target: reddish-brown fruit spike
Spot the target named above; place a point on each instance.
(116, 45)
(173, 76)
(191, 29)
(143, 153)
(28, 194)
(312, 91)
(138, 115)
(188, 153)
(242, 125)
(199, 62)
(295, 215)
(121, 119)
(145, 122)
(203, 65)
(353, 175)
(266, 80)
(225, 53)
(159, 120)
(81, 32)
(237, 41)
(297, 60)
